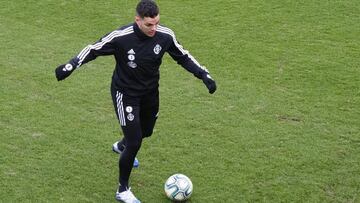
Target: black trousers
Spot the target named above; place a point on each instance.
(137, 117)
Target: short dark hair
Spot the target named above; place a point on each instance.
(147, 8)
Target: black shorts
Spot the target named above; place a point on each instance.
(136, 115)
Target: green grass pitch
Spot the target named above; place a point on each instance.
(283, 126)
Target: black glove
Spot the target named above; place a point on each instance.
(209, 82)
(63, 71)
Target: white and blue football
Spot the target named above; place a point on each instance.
(178, 187)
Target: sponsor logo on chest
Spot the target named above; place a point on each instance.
(131, 57)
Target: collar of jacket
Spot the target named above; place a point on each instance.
(140, 33)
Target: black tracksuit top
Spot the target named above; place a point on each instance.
(138, 57)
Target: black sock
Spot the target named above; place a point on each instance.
(123, 187)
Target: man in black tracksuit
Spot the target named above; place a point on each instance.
(138, 49)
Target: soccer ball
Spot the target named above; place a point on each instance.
(178, 187)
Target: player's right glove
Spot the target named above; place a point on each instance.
(63, 71)
(209, 82)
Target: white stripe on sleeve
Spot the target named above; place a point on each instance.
(98, 45)
(179, 46)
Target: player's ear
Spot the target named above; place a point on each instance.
(137, 19)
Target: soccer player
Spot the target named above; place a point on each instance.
(138, 49)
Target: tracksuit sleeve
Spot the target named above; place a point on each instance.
(185, 59)
(105, 46)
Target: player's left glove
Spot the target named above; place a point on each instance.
(209, 82)
(63, 71)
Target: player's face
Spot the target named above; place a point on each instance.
(148, 25)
